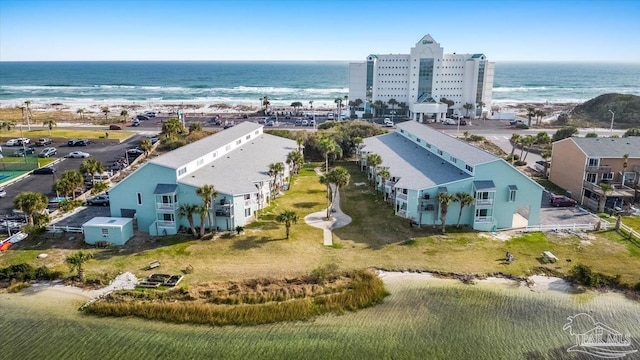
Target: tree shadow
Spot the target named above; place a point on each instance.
(305, 205)
(252, 242)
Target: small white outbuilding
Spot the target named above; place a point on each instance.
(116, 230)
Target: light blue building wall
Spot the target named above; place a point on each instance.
(135, 194)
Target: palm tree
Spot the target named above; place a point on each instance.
(206, 192)
(296, 105)
(377, 105)
(384, 175)
(328, 146)
(295, 161)
(146, 146)
(528, 142)
(195, 127)
(444, 199)
(340, 177)
(7, 125)
(338, 102)
(373, 161)
(606, 188)
(172, 127)
(300, 141)
(404, 107)
(465, 199)
(63, 187)
(91, 166)
(275, 169)
(542, 138)
(393, 102)
(357, 103)
(480, 106)
(81, 112)
(539, 115)
(99, 187)
(124, 114)
(30, 203)
(50, 124)
(28, 113)
(76, 262)
(265, 104)
(531, 112)
(105, 110)
(287, 217)
(467, 106)
(75, 179)
(515, 140)
(187, 210)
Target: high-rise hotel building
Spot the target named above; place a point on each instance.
(420, 80)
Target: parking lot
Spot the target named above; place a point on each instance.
(551, 215)
(103, 150)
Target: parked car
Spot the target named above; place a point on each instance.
(227, 126)
(99, 200)
(150, 114)
(44, 142)
(463, 122)
(47, 170)
(562, 201)
(115, 127)
(83, 142)
(135, 151)
(23, 141)
(23, 152)
(515, 122)
(142, 117)
(539, 166)
(330, 116)
(3, 192)
(135, 122)
(73, 142)
(449, 122)
(12, 142)
(78, 155)
(388, 122)
(47, 152)
(312, 123)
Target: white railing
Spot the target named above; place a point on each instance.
(560, 227)
(58, 228)
(166, 224)
(402, 196)
(166, 206)
(483, 219)
(484, 201)
(249, 202)
(632, 233)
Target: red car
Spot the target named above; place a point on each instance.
(115, 127)
(562, 201)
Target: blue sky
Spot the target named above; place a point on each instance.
(542, 30)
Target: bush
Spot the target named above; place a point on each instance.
(520, 163)
(565, 132)
(521, 126)
(367, 116)
(41, 219)
(327, 125)
(475, 138)
(591, 135)
(583, 275)
(514, 157)
(632, 132)
(26, 272)
(69, 205)
(16, 286)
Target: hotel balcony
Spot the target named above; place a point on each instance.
(618, 189)
(427, 207)
(166, 206)
(483, 219)
(401, 196)
(223, 213)
(598, 169)
(402, 213)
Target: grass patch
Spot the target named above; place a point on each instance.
(36, 133)
(253, 302)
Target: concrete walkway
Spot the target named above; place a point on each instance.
(338, 219)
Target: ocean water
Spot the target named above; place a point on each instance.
(83, 83)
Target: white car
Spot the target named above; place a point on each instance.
(449, 122)
(3, 192)
(78, 154)
(12, 142)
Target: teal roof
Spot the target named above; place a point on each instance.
(475, 56)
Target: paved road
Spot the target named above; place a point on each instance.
(101, 150)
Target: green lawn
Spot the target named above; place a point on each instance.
(37, 132)
(376, 238)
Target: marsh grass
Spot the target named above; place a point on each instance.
(242, 307)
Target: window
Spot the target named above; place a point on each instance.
(165, 217)
(182, 171)
(592, 177)
(105, 231)
(200, 162)
(452, 159)
(247, 212)
(139, 196)
(238, 142)
(248, 137)
(512, 195)
(247, 196)
(439, 152)
(469, 168)
(594, 162)
(607, 176)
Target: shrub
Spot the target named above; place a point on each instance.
(19, 272)
(327, 125)
(521, 126)
(632, 132)
(16, 286)
(69, 205)
(367, 116)
(583, 275)
(520, 163)
(591, 135)
(41, 219)
(324, 273)
(565, 132)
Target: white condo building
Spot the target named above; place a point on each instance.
(419, 80)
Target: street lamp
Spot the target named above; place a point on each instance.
(613, 115)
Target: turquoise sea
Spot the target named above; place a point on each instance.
(245, 82)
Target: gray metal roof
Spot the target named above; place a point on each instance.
(416, 166)
(183, 155)
(609, 147)
(459, 149)
(165, 189)
(236, 172)
(484, 185)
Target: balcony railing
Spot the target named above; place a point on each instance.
(598, 169)
(223, 213)
(483, 219)
(166, 206)
(484, 202)
(166, 224)
(402, 197)
(402, 213)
